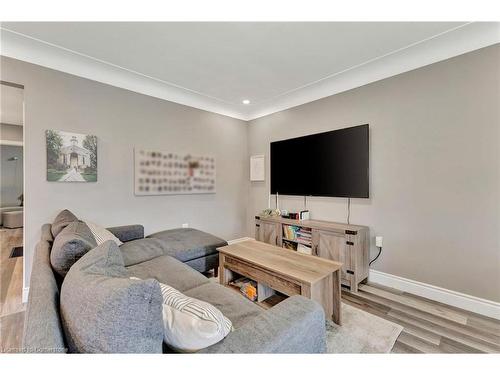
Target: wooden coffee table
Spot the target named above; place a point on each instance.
(286, 271)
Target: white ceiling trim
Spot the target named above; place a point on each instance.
(26, 48)
(461, 40)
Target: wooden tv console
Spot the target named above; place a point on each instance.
(345, 243)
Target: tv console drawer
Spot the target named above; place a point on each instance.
(253, 272)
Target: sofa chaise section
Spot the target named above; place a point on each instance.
(194, 247)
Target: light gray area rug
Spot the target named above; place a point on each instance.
(361, 332)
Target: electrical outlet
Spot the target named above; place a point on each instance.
(185, 225)
(379, 241)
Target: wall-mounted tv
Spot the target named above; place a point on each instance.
(330, 164)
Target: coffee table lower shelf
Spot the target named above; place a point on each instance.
(325, 291)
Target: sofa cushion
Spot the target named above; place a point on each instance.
(126, 233)
(188, 243)
(141, 250)
(64, 218)
(170, 271)
(43, 332)
(190, 324)
(73, 242)
(237, 308)
(103, 311)
(101, 234)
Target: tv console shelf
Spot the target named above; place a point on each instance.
(345, 243)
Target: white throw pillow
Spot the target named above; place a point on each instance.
(101, 234)
(189, 324)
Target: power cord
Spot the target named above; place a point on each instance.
(374, 259)
(348, 210)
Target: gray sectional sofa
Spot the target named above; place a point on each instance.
(296, 325)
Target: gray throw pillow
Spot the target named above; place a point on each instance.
(103, 311)
(71, 244)
(64, 218)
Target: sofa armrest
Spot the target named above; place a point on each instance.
(296, 325)
(127, 233)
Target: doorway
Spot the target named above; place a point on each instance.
(11, 214)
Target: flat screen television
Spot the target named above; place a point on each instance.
(330, 164)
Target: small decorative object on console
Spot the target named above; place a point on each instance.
(293, 215)
(304, 215)
(268, 212)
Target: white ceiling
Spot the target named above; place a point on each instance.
(214, 66)
(11, 105)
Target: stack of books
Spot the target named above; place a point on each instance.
(290, 232)
(304, 236)
(297, 238)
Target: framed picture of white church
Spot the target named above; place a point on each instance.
(71, 157)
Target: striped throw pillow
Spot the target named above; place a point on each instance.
(189, 324)
(101, 234)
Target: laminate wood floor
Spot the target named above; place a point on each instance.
(11, 289)
(429, 326)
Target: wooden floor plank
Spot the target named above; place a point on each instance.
(11, 330)
(13, 298)
(401, 348)
(417, 304)
(465, 339)
(11, 285)
(488, 326)
(480, 319)
(423, 334)
(435, 320)
(451, 346)
(418, 344)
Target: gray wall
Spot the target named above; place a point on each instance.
(121, 120)
(434, 154)
(11, 175)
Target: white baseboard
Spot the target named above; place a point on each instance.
(236, 240)
(25, 294)
(449, 297)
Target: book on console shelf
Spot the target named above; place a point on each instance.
(290, 232)
(303, 233)
(304, 241)
(304, 249)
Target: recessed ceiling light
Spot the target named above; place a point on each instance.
(246, 101)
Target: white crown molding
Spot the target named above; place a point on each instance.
(458, 41)
(38, 52)
(450, 297)
(464, 39)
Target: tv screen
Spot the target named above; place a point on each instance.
(330, 164)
